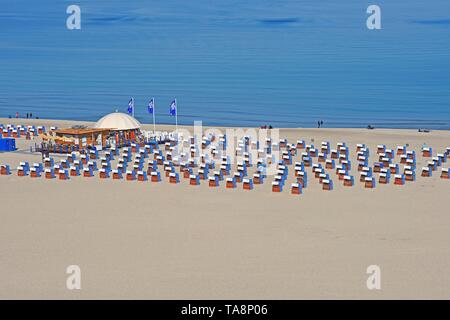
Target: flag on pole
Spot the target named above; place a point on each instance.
(130, 106)
(173, 108)
(151, 106)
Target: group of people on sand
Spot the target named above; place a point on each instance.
(319, 123)
(29, 115)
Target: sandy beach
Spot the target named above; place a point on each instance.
(136, 240)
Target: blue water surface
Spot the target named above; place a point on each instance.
(287, 63)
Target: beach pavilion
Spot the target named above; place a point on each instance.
(81, 137)
(123, 126)
(116, 128)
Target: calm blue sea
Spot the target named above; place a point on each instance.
(287, 63)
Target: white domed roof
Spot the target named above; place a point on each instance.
(118, 121)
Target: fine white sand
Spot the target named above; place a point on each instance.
(137, 240)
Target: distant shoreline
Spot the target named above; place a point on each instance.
(167, 127)
(149, 125)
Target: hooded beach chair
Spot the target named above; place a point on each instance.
(390, 153)
(231, 183)
(346, 164)
(313, 152)
(343, 152)
(88, 172)
(401, 150)
(307, 161)
(194, 180)
(348, 181)
(187, 172)
(300, 144)
(393, 168)
(174, 177)
(323, 177)
(318, 171)
(130, 175)
(213, 181)
(238, 176)
(63, 174)
(362, 165)
(322, 157)
(411, 163)
(84, 159)
(93, 154)
(334, 154)
(22, 171)
(247, 184)
(432, 165)
(437, 161)
(49, 162)
(329, 164)
(277, 186)
(49, 173)
(35, 172)
(399, 179)
(92, 165)
(74, 171)
(64, 164)
(5, 170)
(38, 166)
(142, 176)
(258, 178)
(427, 152)
(327, 184)
(325, 147)
(104, 173)
(219, 175)
(225, 169)
(381, 148)
(203, 173)
(341, 173)
(296, 188)
(360, 146)
(155, 176)
(364, 175)
(442, 157)
(426, 172)
(410, 175)
(117, 174)
(445, 173)
(403, 158)
(369, 183)
(302, 178)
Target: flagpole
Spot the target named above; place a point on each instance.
(176, 116)
(154, 110)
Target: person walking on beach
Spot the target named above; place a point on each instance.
(318, 124)
(17, 115)
(321, 123)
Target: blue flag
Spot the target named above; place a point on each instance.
(173, 108)
(130, 106)
(151, 106)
